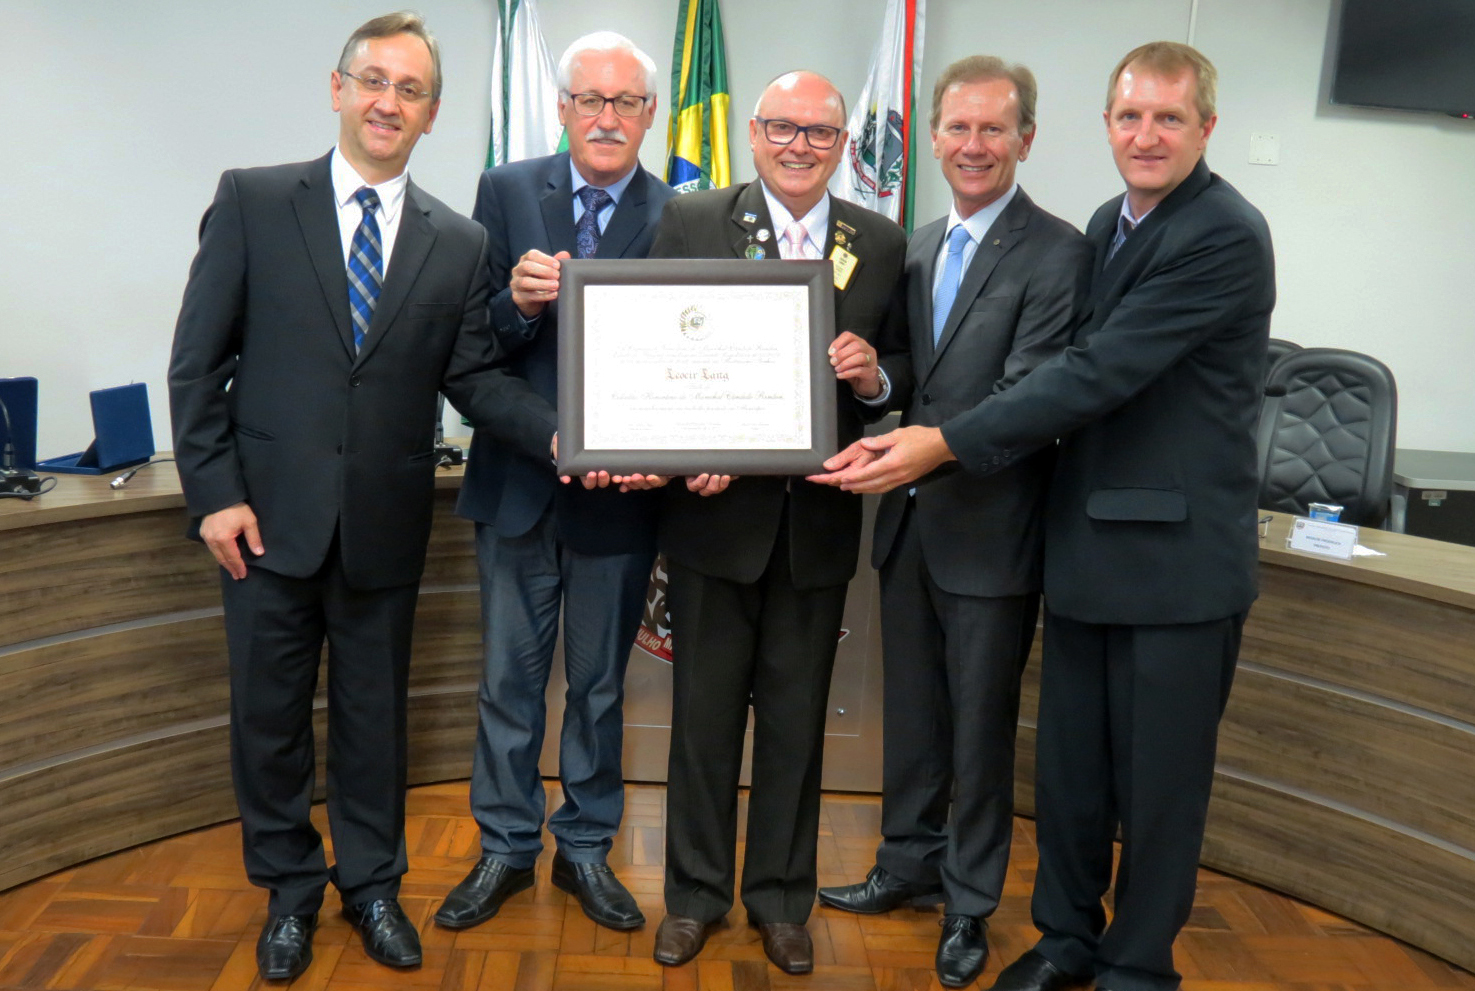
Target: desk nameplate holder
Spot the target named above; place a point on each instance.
(1323, 537)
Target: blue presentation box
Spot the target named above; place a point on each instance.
(123, 429)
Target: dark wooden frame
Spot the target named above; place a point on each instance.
(574, 458)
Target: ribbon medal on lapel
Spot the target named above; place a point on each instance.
(840, 257)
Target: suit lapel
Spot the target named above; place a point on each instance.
(1000, 237)
(628, 221)
(557, 204)
(411, 247)
(751, 223)
(845, 231)
(1185, 191)
(927, 244)
(317, 216)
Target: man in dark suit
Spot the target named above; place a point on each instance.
(993, 289)
(328, 303)
(758, 566)
(1150, 539)
(540, 544)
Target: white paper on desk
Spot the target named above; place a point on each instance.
(1361, 551)
(687, 367)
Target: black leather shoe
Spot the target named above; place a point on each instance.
(1033, 972)
(387, 933)
(601, 895)
(880, 892)
(788, 946)
(478, 897)
(679, 938)
(284, 948)
(962, 951)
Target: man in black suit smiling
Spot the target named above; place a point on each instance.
(993, 289)
(328, 304)
(1150, 538)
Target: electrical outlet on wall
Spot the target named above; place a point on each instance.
(1264, 149)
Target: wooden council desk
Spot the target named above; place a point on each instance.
(1346, 769)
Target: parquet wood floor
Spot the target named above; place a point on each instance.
(178, 915)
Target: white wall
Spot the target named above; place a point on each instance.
(120, 117)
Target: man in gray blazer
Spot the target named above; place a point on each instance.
(1150, 537)
(993, 289)
(543, 548)
(328, 304)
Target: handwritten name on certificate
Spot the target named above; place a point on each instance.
(693, 367)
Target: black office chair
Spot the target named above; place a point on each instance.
(1277, 349)
(1327, 430)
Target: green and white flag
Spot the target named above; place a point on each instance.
(876, 171)
(525, 120)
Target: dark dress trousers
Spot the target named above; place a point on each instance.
(544, 547)
(332, 450)
(1150, 564)
(960, 560)
(757, 591)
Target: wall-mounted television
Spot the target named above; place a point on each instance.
(1408, 55)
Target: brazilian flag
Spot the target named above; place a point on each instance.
(697, 135)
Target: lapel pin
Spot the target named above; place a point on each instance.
(762, 235)
(749, 218)
(754, 252)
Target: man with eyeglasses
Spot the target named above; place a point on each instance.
(759, 565)
(328, 304)
(542, 546)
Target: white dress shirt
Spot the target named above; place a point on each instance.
(346, 183)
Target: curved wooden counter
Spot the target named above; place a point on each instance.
(113, 686)
(1345, 756)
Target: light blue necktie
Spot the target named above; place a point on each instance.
(365, 267)
(952, 274)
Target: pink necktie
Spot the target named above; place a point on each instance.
(796, 236)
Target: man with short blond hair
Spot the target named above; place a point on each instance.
(543, 548)
(993, 289)
(1150, 539)
(328, 304)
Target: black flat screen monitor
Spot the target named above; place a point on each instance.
(1408, 55)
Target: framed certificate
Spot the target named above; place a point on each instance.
(685, 366)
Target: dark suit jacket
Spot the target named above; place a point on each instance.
(314, 438)
(1151, 516)
(731, 535)
(1017, 305)
(527, 205)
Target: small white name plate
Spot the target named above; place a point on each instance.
(1322, 537)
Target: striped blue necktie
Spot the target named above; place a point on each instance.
(952, 274)
(365, 267)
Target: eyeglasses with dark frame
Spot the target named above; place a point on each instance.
(783, 132)
(378, 84)
(592, 104)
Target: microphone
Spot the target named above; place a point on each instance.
(15, 483)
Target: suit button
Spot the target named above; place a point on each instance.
(354, 381)
(926, 399)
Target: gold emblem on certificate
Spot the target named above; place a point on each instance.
(694, 324)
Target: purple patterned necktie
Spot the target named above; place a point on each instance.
(586, 231)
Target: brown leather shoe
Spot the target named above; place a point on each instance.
(788, 945)
(679, 938)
